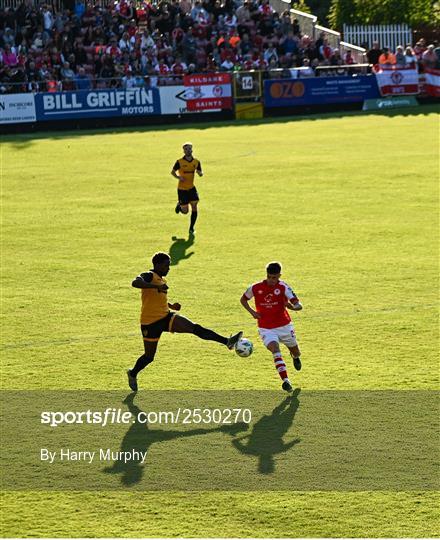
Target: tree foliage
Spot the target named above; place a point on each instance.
(413, 12)
(300, 5)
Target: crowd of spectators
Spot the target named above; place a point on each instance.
(421, 56)
(136, 43)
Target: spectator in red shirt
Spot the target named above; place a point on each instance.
(161, 68)
(265, 8)
(125, 10)
(228, 53)
(113, 50)
(179, 67)
(132, 28)
(348, 58)
(260, 62)
(258, 41)
(248, 64)
(325, 51)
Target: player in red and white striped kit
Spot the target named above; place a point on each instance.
(272, 296)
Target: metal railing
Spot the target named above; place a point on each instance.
(92, 83)
(247, 84)
(280, 5)
(388, 35)
(306, 21)
(333, 37)
(339, 71)
(358, 54)
(308, 25)
(57, 5)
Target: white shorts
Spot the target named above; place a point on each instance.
(282, 334)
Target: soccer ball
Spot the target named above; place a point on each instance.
(244, 347)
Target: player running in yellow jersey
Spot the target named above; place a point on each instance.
(156, 316)
(184, 170)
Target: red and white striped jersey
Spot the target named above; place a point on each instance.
(270, 302)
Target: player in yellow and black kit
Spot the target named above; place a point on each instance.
(156, 316)
(184, 170)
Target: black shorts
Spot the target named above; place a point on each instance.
(187, 195)
(153, 331)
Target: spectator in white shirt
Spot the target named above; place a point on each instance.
(67, 72)
(199, 11)
(124, 42)
(410, 57)
(147, 41)
(128, 81)
(270, 53)
(429, 58)
(306, 70)
(230, 21)
(400, 57)
(227, 65)
(48, 19)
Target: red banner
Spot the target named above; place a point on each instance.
(432, 82)
(208, 104)
(207, 78)
(210, 91)
(393, 81)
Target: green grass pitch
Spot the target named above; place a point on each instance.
(348, 204)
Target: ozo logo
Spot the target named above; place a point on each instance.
(287, 90)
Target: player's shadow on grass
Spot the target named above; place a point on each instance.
(179, 247)
(266, 438)
(140, 437)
